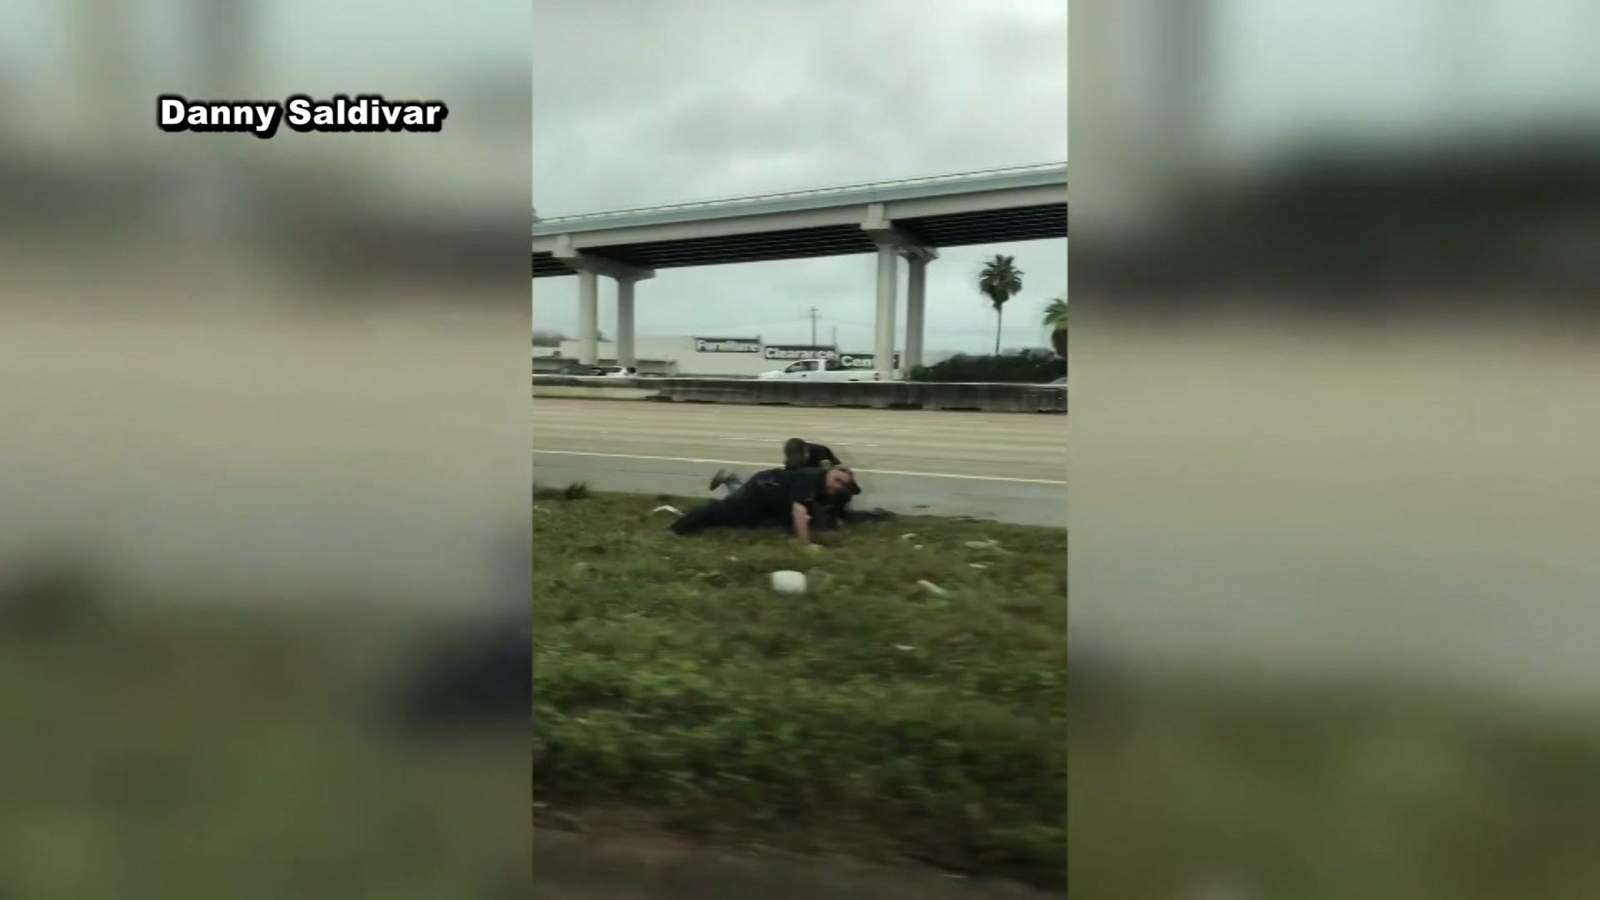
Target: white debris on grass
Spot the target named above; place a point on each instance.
(788, 581)
(983, 545)
(977, 565)
(932, 588)
(666, 508)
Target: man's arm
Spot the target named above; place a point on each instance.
(802, 522)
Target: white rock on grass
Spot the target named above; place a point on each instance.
(788, 581)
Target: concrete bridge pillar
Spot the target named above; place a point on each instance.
(893, 243)
(625, 352)
(589, 267)
(916, 303)
(588, 317)
(883, 345)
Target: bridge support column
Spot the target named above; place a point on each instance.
(893, 243)
(589, 267)
(588, 317)
(916, 302)
(625, 351)
(883, 344)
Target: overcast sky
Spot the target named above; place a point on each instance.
(639, 102)
(651, 101)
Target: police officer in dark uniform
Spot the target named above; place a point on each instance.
(826, 512)
(798, 453)
(774, 496)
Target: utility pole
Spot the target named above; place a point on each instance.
(813, 326)
(835, 337)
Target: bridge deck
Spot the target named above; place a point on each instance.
(975, 208)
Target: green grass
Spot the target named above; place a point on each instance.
(194, 753)
(675, 689)
(1324, 789)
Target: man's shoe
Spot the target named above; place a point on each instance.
(719, 479)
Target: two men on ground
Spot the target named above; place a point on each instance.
(811, 491)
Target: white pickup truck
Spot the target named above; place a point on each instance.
(819, 370)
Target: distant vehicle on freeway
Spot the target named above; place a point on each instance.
(819, 370)
(616, 371)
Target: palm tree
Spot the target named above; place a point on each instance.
(1055, 319)
(1000, 280)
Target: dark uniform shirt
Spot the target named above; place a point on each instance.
(777, 490)
(817, 454)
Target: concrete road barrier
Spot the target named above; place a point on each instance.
(606, 392)
(1033, 398)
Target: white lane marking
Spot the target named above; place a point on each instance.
(768, 465)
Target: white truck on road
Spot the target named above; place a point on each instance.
(819, 370)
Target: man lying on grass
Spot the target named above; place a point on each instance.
(827, 510)
(774, 496)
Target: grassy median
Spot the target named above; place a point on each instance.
(190, 752)
(875, 714)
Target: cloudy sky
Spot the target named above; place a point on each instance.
(639, 102)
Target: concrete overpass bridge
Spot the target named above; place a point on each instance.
(907, 219)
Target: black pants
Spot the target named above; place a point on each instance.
(747, 507)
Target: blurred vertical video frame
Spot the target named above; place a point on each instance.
(264, 548)
(1333, 480)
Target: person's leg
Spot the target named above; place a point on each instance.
(739, 509)
(700, 518)
(724, 477)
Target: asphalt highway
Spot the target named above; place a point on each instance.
(1008, 467)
